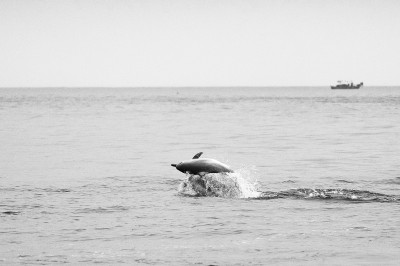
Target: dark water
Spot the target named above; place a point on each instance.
(85, 176)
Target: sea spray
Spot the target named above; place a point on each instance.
(246, 178)
(241, 184)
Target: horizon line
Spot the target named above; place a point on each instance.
(177, 87)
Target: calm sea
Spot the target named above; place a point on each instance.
(85, 176)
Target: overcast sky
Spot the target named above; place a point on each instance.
(198, 42)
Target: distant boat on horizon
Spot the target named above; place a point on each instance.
(347, 85)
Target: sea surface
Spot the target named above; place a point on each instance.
(86, 176)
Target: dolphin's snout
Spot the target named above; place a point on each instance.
(178, 167)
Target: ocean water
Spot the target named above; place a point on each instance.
(85, 176)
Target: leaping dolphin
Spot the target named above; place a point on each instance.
(197, 166)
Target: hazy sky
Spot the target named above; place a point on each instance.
(198, 42)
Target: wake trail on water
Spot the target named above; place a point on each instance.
(331, 194)
(242, 184)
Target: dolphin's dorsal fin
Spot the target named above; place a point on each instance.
(197, 156)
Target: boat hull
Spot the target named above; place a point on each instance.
(346, 86)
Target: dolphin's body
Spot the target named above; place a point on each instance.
(197, 166)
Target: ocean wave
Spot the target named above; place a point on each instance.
(109, 209)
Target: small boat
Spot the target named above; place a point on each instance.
(347, 85)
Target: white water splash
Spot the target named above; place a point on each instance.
(247, 182)
(241, 184)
